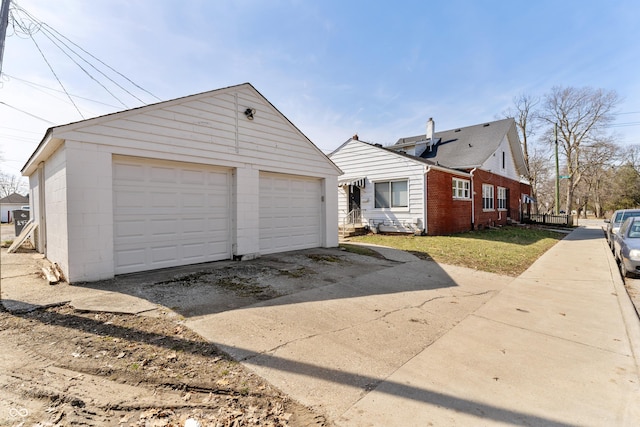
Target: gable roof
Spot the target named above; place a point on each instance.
(53, 134)
(15, 198)
(418, 160)
(471, 146)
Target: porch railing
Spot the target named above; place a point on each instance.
(548, 219)
(353, 217)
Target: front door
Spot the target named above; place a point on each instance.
(354, 197)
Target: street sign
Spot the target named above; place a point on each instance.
(564, 177)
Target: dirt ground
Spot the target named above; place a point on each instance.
(61, 366)
(72, 368)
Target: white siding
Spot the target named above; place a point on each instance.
(201, 129)
(6, 211)
(494, 162)
(359, 159)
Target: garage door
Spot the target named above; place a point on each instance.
(290, 213)
(168, 214)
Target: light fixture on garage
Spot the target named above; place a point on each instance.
(249, 112)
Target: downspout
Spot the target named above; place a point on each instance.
(425, 231)
(473, 201)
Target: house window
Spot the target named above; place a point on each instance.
(502, 198)
(391, 194)
(487, 197)
(460, 188)
(504, 158)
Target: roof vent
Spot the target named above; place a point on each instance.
(486, 124)
(457, 130)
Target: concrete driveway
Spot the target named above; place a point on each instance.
(330, 346)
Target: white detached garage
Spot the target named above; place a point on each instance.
(207, 177)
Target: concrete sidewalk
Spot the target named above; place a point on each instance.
(557, 346)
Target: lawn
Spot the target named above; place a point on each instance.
(508, 250)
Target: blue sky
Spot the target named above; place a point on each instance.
(334, 68)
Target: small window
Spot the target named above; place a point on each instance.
(504, 160)
(391, 194)
(461, 188)
(487, 197)
(502, 198)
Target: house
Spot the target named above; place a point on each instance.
(12, 202)
(435, 183)
(212, 176)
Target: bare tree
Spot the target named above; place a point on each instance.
(596, 184)
(526, 117)
(540, 177)
(582, 116)
(10, 184)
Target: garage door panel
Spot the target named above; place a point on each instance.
(169, 213)
(290, 213)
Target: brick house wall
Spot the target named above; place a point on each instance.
(445, 215)
(495, 216)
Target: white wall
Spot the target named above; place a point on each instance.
(494, 162)
(90, 213)
(6, 208)
(359, 159)
(205, 129)
(55, 196)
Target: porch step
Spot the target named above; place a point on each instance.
(350, 230)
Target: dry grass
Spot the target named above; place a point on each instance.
(508, 251)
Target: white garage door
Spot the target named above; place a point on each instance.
(290, 213)
(168, 214)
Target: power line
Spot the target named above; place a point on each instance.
(37, 85)
(621, 125)
(28, 25)
(22, 25)
(50, 31)
(27, 113)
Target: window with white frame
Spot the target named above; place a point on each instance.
(487, 197)
(502, 198)
(461, 188)
(392, 194)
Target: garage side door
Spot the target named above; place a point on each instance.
(168, 214)
(290, 213)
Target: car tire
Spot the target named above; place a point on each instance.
(625, 272)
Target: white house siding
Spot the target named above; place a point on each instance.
(494, 162)
(206, 129)
(357, 158)
(6, 210)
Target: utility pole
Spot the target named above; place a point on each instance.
(555, 134)
(4, 23)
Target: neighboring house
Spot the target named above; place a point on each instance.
(435, 183)
(11, 203)
(213, 176)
